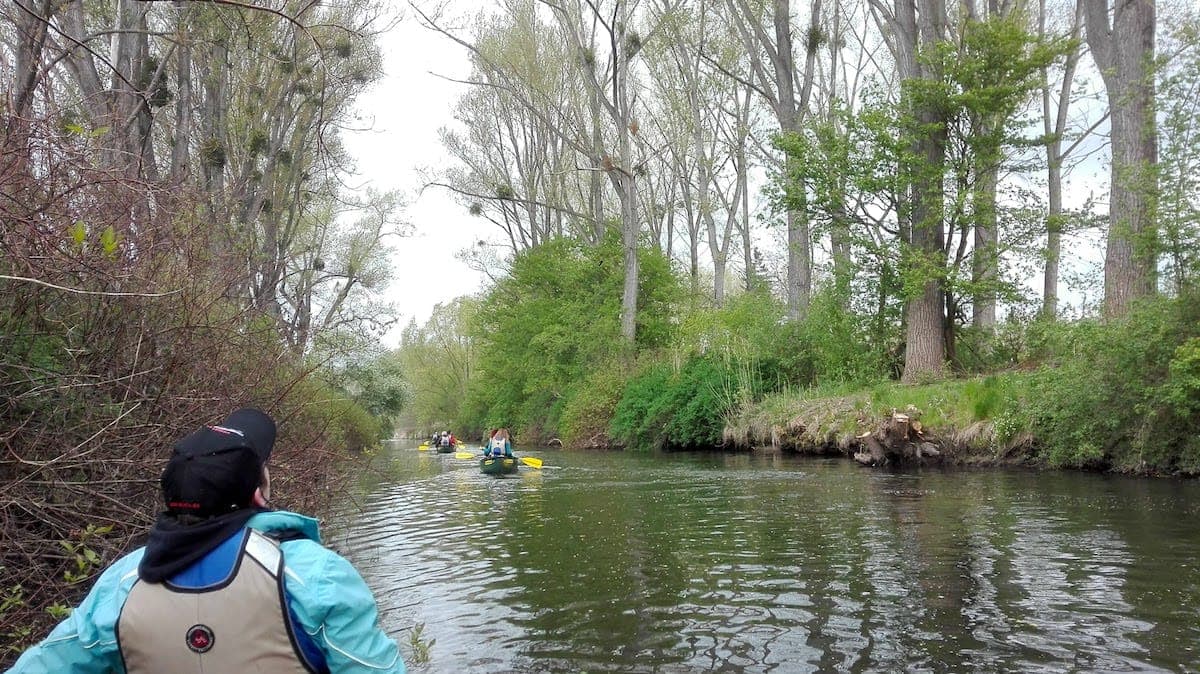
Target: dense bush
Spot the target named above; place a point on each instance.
(1122, 395)
(550, 323)
(641, 412)
(98, 384)
(590, 406)
(681, 408)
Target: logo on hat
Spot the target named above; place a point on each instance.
(200, 638)
(227, 431)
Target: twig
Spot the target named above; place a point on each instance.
(77, 291)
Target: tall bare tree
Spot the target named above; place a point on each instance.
(774, 76)
(1054, 124)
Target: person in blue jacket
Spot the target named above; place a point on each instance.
(224, 584)
(499, 445)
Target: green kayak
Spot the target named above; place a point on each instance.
(498, 466)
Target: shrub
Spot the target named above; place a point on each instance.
(553, 321)
(1119, 395)
(684, 408)
(590, 407)
(641, 411)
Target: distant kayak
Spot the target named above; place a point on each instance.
(444, 449)
(500, 466)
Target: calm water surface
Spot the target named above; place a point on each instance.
(615, 562)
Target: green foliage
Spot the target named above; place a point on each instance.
(348, 426)
(377, 386)
(837, 342)
(1179, 165)
(699, 399)
(12, 603)
(949, 404)
(1182, 389)
(831, 345)
(641, 412)
(988, 397)
(590, 405)
(419, 647)
(551, 322)
(684, 408)
(742, 328)
(437, 361)
(1005, 346)
(85, 559)
(1121, 395)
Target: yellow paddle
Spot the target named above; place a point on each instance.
(423, 448)
(527, 460)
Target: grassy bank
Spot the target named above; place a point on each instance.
(971, 421)
(1120, 397)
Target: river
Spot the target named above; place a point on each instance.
(624, 562)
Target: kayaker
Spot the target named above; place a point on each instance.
(204, 594)
(500, 444)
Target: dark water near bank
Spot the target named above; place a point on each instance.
(618, 562)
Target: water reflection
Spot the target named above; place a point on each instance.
(629, 563)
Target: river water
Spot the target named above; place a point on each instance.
(623, 562)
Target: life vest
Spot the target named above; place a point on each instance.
(497, 446)
(234, 620)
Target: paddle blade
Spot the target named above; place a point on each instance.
(531, 462)
(464, 455)
(423, 448)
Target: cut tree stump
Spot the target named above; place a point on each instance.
(898, 440)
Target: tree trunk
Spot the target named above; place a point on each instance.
(747, 246)
(985, 261)
(799, 238)
(1054, 219)
(925, 352)
(627, 187)
(31, 39)
(1054, 126)
(183, 98)
(789, 111)
(1124, 53)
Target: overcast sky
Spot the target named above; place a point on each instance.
(407, 107)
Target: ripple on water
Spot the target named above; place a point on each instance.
(627, 563)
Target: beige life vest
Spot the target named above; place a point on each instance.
(239, 625)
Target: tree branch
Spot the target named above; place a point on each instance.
(77, 291)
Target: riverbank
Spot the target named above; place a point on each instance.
(957, 422)
(991, 420)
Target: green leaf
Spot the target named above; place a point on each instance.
(58, 611)
(108, 240)
(78, 232)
